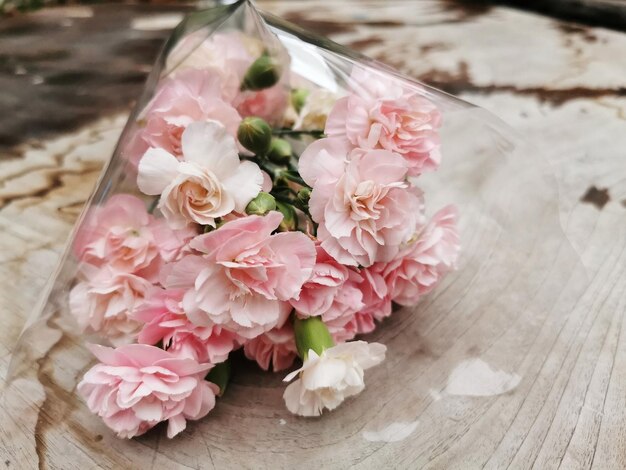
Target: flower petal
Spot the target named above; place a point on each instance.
(157, 169)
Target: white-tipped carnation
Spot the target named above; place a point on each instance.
(209, 182)
(326, 380)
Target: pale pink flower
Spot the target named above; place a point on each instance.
(326, 380)
(123, 235)
(383, 113)
(422, 264)
(332, 292)
(269, 104)
(173, 244)
(245, 275)
(228, 54)
(192, 95)
(136, 386)
(119, 234)
(105, 301)
(314, 113)
(375, 306)
(164, 320)
(345, 331)
(361, 200)
(209, 183)
(277, 348)
(376, 298)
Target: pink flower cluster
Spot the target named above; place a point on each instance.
(183, 276)
(374, 245)
(205, 87)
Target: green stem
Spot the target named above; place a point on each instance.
(314, 133)
(153, 205)
(291, 175)
(220, 376)
(311, 333)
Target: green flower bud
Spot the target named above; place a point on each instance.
(280, 151)
(311, 333)
(255, 134)
(263, 73)
(261, 205)
(303, 196)
(298, 98)
(289, 222)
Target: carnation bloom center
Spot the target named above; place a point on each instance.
(247, 271)
(129, 243)
(402, 124)
(203, 193)
(367, 200)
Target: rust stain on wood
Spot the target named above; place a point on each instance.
(467, 9)
(364, 43)
(323, 27)
(460, 82)
(575, 29)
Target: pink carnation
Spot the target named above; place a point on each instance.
(224, 53)
(189, 96)
(244, 274)
(276, 347)
(269, 104)
(361, 200)
(332, 292)
(376, 298)
(164, 320)
(136, 386)
(120, 235)
(173, 244)
(419, 267)
(105, 301)
(383, 114)
(192, 95)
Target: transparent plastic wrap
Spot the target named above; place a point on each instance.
(458, 352)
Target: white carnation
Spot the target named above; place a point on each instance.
(326, 380)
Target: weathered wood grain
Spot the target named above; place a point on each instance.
(555, 391)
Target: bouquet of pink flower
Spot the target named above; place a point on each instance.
(266, 212)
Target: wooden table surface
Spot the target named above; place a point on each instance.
(68, 77)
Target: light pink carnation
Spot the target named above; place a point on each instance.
(229, 55)
(277, 348)
(105, 301)
(136, 386)
(164, 320)
(375, 306)
(244, 274)
(376, 298)
(173, 244)
(192, 95)
(419, 267)
(361, 200)
(380, 113)
(332, 292)
(269, 104)
(225, 53)
(122, 235)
